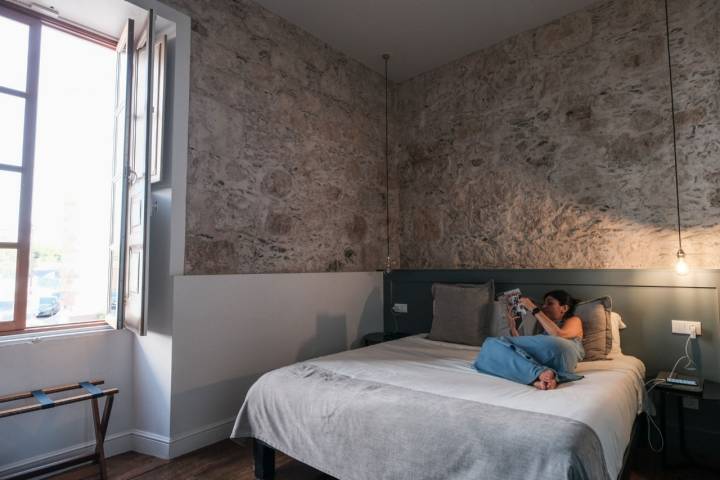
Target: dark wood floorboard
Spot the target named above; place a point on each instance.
(229, 461)
(223, 460)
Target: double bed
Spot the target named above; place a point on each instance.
(416, 409)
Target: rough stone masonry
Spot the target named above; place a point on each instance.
(550, 149)
(553, 148)
(286, 168)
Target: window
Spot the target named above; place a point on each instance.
(74, 148)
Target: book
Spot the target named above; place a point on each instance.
(512, 299)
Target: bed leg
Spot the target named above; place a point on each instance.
(264, 460)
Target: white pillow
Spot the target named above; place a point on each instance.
(616, 325)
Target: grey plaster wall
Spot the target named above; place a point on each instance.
(286, 169)
(552, 149)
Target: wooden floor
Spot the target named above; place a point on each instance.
(223, 460)
(227, 460)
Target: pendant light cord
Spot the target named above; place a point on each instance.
(672, 110)
(386, 57)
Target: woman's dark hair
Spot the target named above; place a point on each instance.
(563, 298)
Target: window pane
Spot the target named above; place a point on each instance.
(69, 257)
(9, 205)
(14, 37)
(12, 121)
(121, 72)
(8, 261)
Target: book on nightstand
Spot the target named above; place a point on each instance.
(687, 383)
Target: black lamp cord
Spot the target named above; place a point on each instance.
(672, 109)
(386, 57)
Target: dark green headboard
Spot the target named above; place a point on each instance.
(647, 300)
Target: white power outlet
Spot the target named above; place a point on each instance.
(400, 308)
(684, 327)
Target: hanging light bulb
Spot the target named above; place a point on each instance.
(681, 266)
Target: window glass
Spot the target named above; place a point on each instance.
(12, 119)
(9, 205)
(13, 61)
(8, 261)
(71, 182)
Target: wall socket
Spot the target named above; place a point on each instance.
(400, 308)
(683, 327)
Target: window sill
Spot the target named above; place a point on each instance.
(39, 336)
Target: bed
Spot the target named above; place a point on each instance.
(416, 409)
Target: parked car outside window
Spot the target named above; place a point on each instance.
(48, 306)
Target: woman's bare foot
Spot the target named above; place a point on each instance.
(546, 380)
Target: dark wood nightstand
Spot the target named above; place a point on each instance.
(668, 393)
(379, 337)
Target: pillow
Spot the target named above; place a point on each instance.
(597, 330)
(617, 325)
(499, 326)
(462, 313)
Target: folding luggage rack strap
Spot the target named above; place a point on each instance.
(92, 393)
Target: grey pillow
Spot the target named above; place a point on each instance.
(462, 313)
(500, 326)
(597, 327)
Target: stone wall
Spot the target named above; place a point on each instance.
(552, 149)
(286, 169)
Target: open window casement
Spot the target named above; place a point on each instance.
(137, 128)
(158, 107)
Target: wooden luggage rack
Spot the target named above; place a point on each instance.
(92, 393)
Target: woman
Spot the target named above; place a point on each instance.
(540, 360)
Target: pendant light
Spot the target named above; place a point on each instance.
(388, 260)
(681, 266)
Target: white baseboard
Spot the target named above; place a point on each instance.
(201, 437)
(114, 444)
(152, 444)
(147, 443)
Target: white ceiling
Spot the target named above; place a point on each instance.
(419, 35)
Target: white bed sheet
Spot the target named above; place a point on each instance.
(607, 400)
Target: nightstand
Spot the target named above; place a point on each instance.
(670, 392)
(379, 337)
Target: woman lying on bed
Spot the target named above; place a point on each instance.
(541, 360)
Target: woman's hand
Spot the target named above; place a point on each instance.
(527, 303)
(511, 321)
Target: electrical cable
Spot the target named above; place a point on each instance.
(689, 365)
(648, 418)
(649, 437)
(388, 262)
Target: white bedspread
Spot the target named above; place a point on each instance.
(607, 400)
